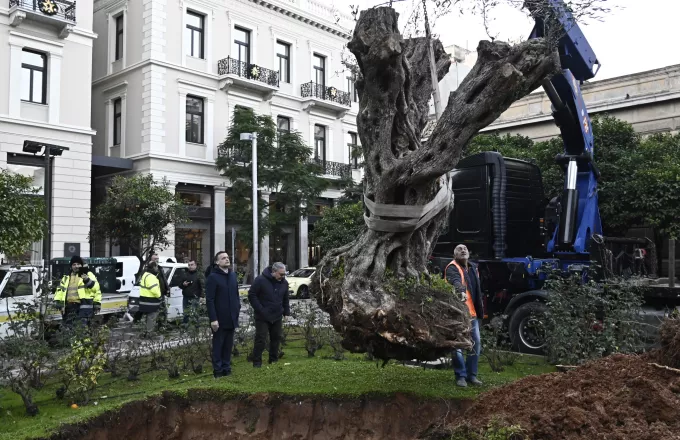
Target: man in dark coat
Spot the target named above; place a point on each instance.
(268, 296)
(224, 306)
(192, 290)
(464, 277)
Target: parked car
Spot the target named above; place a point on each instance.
(299, 281)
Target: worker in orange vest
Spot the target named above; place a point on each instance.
(464, 277)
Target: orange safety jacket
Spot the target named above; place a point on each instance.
(468, 298)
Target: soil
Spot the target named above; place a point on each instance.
(258, 417)
(620, 397)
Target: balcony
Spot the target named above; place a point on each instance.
(328, 98)
(236, 73)
(334, 169)
(60, 14)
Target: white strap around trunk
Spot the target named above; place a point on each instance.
(410, 217)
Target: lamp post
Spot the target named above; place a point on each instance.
(252, 137)
(49, 151)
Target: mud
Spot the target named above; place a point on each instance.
(202, 416)
(616, 398)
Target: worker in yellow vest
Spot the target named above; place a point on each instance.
(464, 277)
(150, 295)
(78, 294)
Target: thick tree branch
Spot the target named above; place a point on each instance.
(502, 75)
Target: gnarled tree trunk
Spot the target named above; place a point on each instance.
(395, 88)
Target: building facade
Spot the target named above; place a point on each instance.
(45, 97)
(168, 75)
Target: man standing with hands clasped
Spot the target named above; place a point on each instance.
(224, 306)
(464, 277)
(268, 296)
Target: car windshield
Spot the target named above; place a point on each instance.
(302, 273)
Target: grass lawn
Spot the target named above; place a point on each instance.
(295, 374)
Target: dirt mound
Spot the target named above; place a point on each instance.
(208, 415)
(669, 354)
(616, 398)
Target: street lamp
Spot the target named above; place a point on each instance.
(49, 151)
(252, 137)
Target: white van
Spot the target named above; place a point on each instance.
(174, 272)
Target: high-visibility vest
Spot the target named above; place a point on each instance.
(149, 293)
(87, 298)
(468, 300)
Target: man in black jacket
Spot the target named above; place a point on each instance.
(192, 290)
(464, 277)
(268, 296)
(224, 306)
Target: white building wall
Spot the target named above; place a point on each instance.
(157, 72)
(63, 120)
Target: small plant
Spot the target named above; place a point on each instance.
(496, 349)
(309, 321)
(588, 320)
(335, 341)
(133, 359)
(496, 429)
(84, 363)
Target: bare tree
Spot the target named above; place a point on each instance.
(406, 190)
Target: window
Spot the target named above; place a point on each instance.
(283, 124)
(19, 284)
(241, 50)
(33, 76)
(320, 142)
(354, 152)
(320, 70)
(283, 52)
(194, 128)
(119, 37)
(194, 34)
(117, 120)
(351, 89)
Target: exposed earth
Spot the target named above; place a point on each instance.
(620, 397)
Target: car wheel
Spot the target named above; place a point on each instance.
(303, 292)
(527, 328)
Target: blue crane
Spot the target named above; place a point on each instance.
(580, 214)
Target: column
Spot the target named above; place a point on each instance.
(181, 126)
(210, 147)
(15, 79)
(54, 99)
(264, 240)
(170, 250)
(304, 242)
(220, 236)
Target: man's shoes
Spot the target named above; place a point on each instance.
(273, 361)
(461, 382)
(474, 381)
(257, 365)
(226, 373)
(219, 374)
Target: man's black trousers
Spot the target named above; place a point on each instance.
(222, 344)
(275, 331)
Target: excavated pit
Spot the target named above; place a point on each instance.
(205, 415)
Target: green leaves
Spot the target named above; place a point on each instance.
(284, 169)
(22, 213)
(138, 208)
(339, 226)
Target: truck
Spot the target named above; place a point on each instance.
(21, 284)
(516, 236)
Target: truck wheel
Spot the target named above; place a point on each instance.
(526, 328)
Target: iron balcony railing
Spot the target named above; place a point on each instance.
(315, 90)
(331, 168)
(231, 66)
(62, 9)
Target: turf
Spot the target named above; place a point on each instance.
(295, 374)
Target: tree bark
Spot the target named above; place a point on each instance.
(394, 89)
